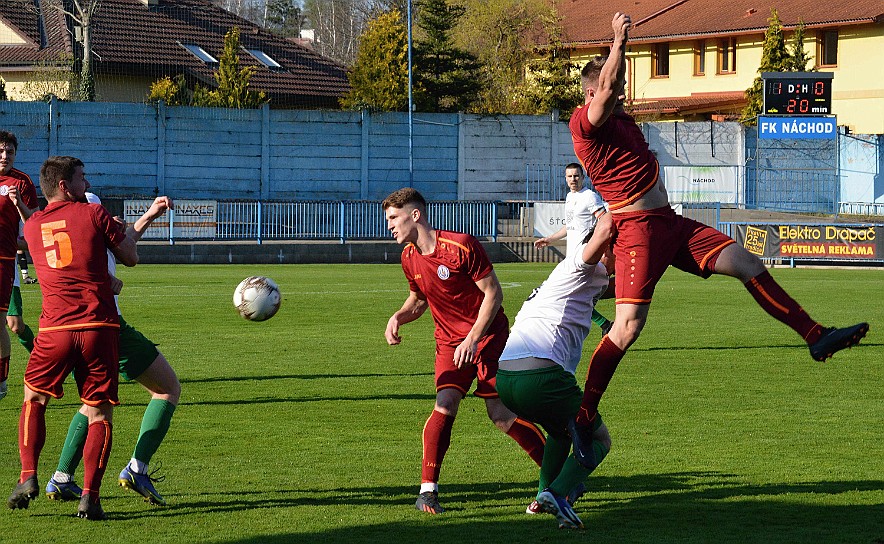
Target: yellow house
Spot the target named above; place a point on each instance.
(694, 59)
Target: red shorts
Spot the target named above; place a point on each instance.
(485, 369)
(92, 354)
(648, 241)
(7, 277)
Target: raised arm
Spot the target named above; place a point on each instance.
(612, 78)
(157, 209)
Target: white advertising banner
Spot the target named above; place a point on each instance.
(190, 219)
(702, 184)
(549, 218)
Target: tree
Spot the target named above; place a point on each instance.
(446, 77)
(283, 17)
(798, 57)
(171, 91)
(379, 77)
(503, 34)
(554, 81)
(81, 13)
(774, 58)
(233, 81)
(337, 25)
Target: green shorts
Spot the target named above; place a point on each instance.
(137, 353)
(15, 302)
(547, 396)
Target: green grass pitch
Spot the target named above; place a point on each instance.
(307, 427)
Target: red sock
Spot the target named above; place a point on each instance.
(31, 437)
(4, 368)
(437, 438)
(527, 435)
(601, 368)
(95, 454)
(775, 301)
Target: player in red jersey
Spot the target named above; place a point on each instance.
(18, 200)
(449, 273)
(650, 236)
(79, 326)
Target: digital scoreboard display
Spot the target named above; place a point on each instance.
(797, 93)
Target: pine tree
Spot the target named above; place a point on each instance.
(379, 77)
(233, 81)
(554, 79)
(798, 57)
(446, 78)
(773, 59)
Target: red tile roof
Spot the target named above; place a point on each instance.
(588, 22)
(132, 39)
(696, 103)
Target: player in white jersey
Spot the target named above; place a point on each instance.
(583, 207)
(536, 372)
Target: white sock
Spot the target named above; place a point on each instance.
(137, 466)
(62, 478)
(429, 486)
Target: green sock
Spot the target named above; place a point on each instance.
(72, 451)
(154, 426)
(598, 318)
(555, 452)
(26, 338)
(573, 473)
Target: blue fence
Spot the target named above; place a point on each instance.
(331, 220)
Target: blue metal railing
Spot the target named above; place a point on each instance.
(326, 220)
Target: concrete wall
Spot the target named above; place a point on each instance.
(141, 150)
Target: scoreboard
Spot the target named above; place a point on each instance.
(797, 93)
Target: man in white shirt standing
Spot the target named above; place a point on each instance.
(583, 207)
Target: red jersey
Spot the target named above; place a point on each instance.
(68, 242)
(447, 278)
(616, 157)
(9, 217)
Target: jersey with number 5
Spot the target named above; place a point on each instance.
(68, 242)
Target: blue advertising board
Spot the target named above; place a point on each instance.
(817, 128)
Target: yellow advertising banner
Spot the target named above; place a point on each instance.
(812, 241)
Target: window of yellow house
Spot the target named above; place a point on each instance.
(727, 56)
(700, 58)
(827, 48)
(660, 60)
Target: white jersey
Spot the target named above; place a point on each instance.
(554, 321)
(580, 210)
(92, 198)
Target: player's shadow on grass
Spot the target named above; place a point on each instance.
(675, 507)
(429, 397)
(278, 377)
(802, 347)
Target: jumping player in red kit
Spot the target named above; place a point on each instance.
(649, 236)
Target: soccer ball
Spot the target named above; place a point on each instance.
(257, 298)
